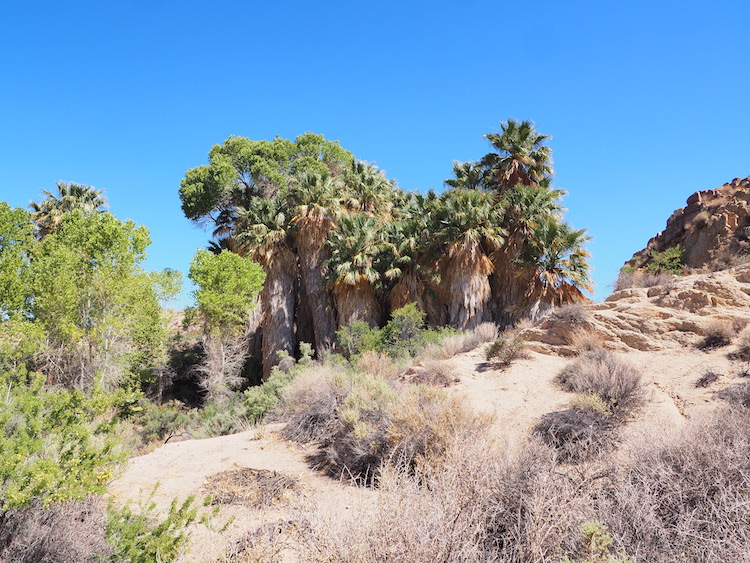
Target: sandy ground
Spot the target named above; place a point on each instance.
(516, 398)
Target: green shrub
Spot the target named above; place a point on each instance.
(404, 334)
(359, 337)
(668, 261)
(139, 536)
(597, 545)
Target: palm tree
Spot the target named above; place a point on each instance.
(316, 209)
(355, 245)
(368, 189)
(406, 262)
(48, 214)
(557, 256)
(522, 158)
(524, 208)
(264, 230)
(469, 223)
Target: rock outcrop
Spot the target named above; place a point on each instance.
(713, 228)
(663, 317)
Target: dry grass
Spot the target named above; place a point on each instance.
(378, 364)
(577, 434)
(717, 334)
(265, 544)
(72, 531)
(627, 280)
(256, 488)
(606, 375)
(586, 341)
(461, 343)
(574, 314)
(737, 394)
(438, 373)
(743, 346)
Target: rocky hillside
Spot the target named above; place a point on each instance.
(713, 228)
(674, 314)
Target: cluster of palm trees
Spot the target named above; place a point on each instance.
(340, 242)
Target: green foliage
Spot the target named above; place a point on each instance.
(228, 286)
(16, 240)
(139, 536)
(667, 261)
(597, 545)
(403, 335)
(260, 400)
(51, 449)
(97, 305)
(359, 337)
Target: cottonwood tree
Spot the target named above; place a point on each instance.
(227, 290)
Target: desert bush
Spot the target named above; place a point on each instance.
(439, 373)
(604, 374)
(667, 261)
(377, 364)
(716, 334)
(310, 404)
(264, 544)
(596, 545)
(586, 341)
(709, 376)
(573, 314)
(629, 277)
(507, 348)
(743, 346)
(71, 531)
(738, 394)
(454, 344)
(577, 434)
(686, 497)
(486, 332)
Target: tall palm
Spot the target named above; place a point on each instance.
(522, 157)
(368, 189)
(557, 256)
(469, 223)
(524, 207)
(264, 230)
(317, 207)
(355, 245)
(406, 262)
(48, 214)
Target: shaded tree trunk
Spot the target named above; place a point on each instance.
(510, 284)
(278, 308)
(465, 287)
(312, 257)
(356, 303)
(407, 290)
(303, 318)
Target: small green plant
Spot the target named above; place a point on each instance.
(139, 536)
(668, 261)
(597, 545)
(509, 346)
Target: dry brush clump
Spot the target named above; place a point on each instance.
(256, 488)
(717, 334)
(462, 342)
(743, 346)
(639, 278)
(506, 348)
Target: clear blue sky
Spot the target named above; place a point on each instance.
(646, 102)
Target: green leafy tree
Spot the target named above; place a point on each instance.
(98, 307)
(227, 290)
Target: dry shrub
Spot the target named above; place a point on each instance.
(577, 434)
(586, 341)
(265, 544)
(378, 365)
(70, 532)
(603, 373)
(507, 348)
(738, 394)
(486, 332)
(626, 280)
(310, 403)
(461, 343)
(708, 377)
(573, 314)
(410, 427)
(717, 334)
(743, 346)
(256, 488)
(686, 497)
(477, 506)
(432, 372)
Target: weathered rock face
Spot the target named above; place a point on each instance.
(661, 317)
(713, 228)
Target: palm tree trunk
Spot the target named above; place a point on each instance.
(465, 287)
(303, 319)
(407, 290)
(356, 303)
(510, 284)
(312, 256)
(278, 308)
